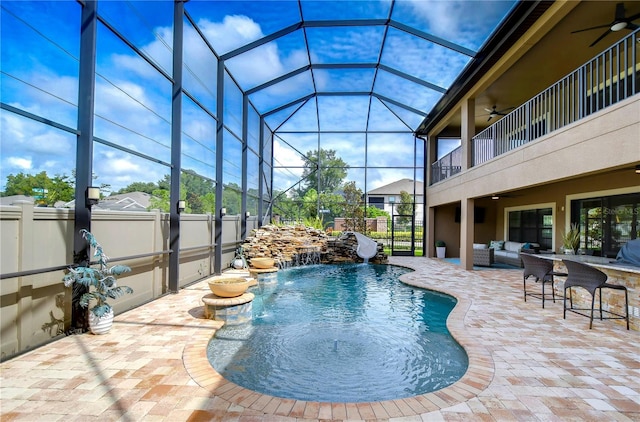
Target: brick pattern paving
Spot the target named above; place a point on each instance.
(526, 364)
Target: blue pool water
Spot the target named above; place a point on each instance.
(341, 333)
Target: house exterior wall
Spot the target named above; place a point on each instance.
(595, 154)
(607, 140)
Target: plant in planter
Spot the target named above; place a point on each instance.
(441, 249)
(101, 282)
(571, 239)
(239, 261)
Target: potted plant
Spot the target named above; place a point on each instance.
(101, 285)
(571, 239)
(441, 249)
(239, 261)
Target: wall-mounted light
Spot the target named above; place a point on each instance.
(247, 214)
(93, 196)
(495, 197)
(638, 169)
(223, 212)
(182, 205)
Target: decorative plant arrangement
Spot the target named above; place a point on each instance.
(239, 261)
(102, 285)
(571, 239)
(441, 249)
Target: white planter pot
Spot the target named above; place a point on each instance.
(441, 251)
(238, 264)
(101, 325)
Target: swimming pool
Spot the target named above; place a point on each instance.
(342, 333)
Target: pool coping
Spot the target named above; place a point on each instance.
(477, 378)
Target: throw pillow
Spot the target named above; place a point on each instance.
(497, 244)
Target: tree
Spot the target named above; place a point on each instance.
(159, 200)
(146, 187)
(405, 207)
(45, 190)
(353, 208)
(326, 167)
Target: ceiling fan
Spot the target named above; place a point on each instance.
(494, 112)
(619, 23)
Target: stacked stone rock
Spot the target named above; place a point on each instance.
(285, 244)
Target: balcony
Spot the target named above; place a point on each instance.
(607, 79)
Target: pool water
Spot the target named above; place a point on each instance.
(341, 333)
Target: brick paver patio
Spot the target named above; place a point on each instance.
(526, 364)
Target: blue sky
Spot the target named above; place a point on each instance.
(40, 50)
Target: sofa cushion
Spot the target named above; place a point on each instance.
(479, 246)
(512, 254)
(512, 246)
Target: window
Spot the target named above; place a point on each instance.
(607, 223)
(377, 201)
(532, 226)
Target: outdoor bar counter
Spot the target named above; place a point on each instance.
(622, 274)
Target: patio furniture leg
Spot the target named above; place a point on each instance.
(593, 298)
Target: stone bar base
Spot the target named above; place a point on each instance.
(233, 310)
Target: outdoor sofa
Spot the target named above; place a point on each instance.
(509, 252)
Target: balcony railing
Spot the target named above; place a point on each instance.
(610, 77)
(447, 166)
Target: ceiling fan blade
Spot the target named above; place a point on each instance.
(488, 110)
(633, 17)
(632, 26)
(593, 27)
(600, 37)
(619, 12)
(490, 117)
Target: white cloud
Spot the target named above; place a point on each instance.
(19, 162)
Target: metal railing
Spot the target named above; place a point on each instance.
(447, 166)
(608, 78)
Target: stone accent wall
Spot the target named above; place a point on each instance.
(290, 246)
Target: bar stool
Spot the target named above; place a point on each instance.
(591, 279)
(542, 270)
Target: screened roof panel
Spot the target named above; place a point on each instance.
(283, 92)
(410, 119)
(406, 53)
(232, 24)
(406, 92)
(345, 10)
(383, 119)
(343, 112)
(344, 80)
(302, 117)
(345, 44)
(423, 59)
(269, 61)
(467, 23)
